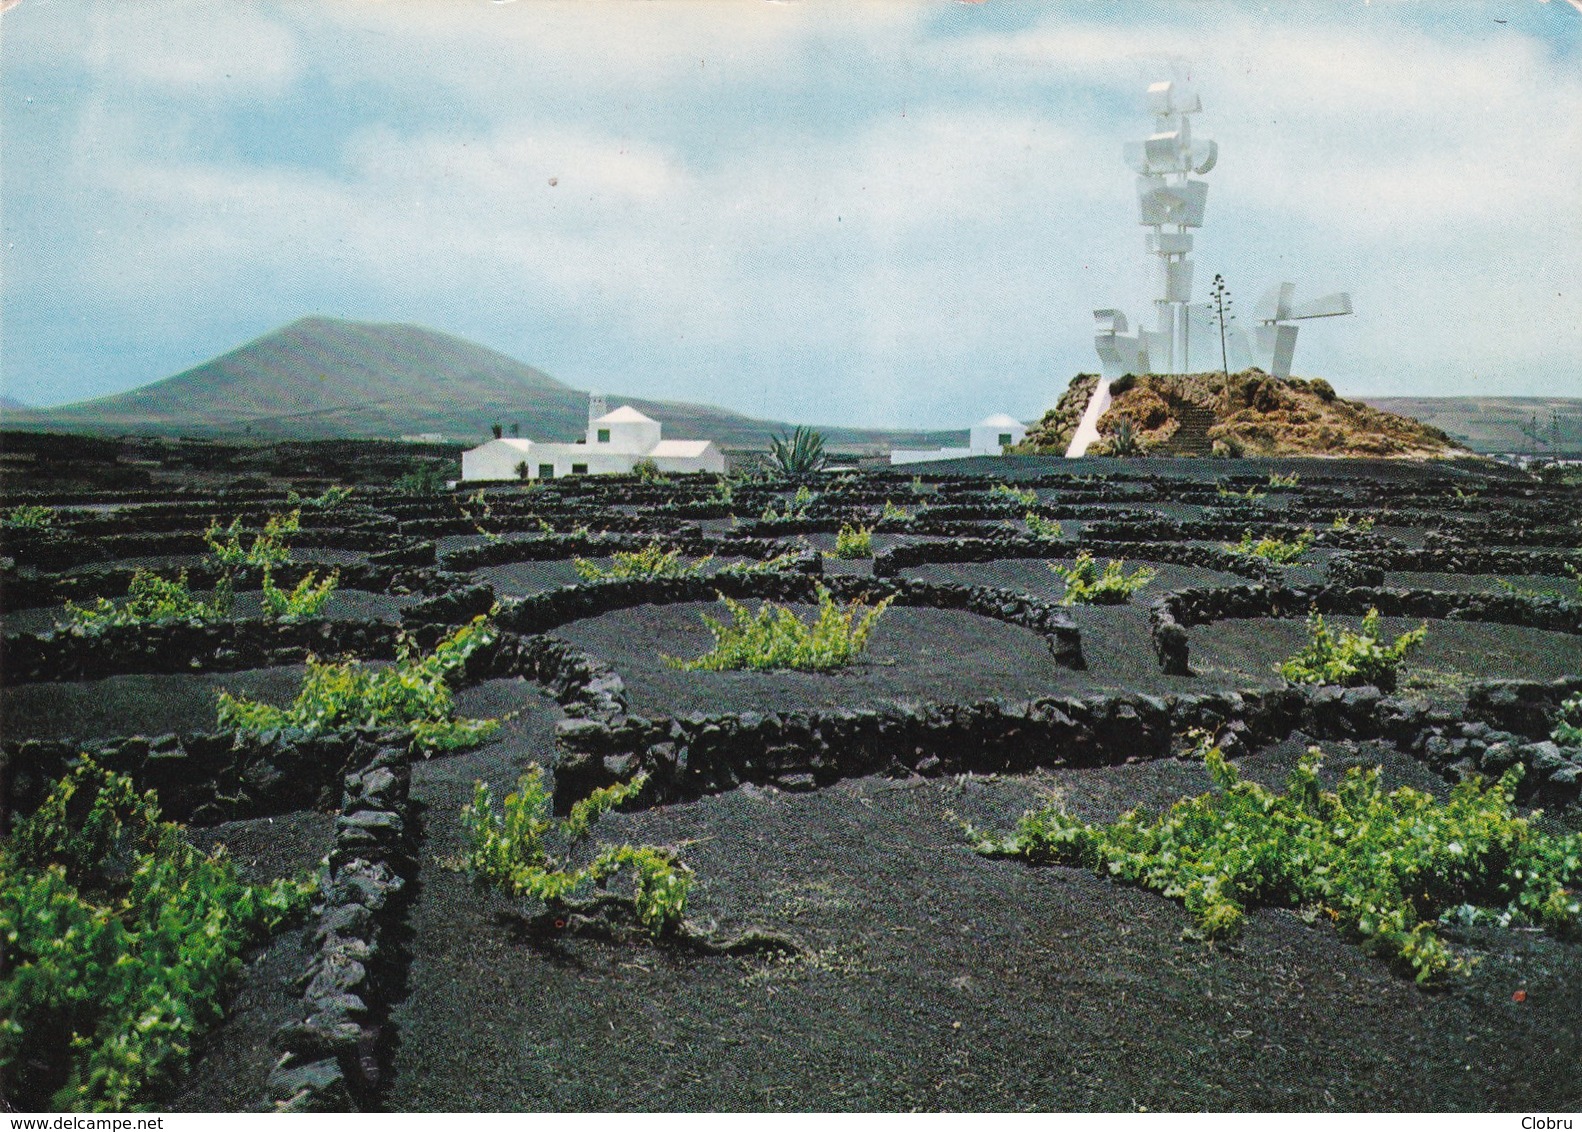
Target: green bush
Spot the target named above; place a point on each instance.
(652, 561)
(796, 509)
(1382, 867)
(413, 693)
(775, 637)
(1252, 494)
(1568, 723)
(894, 514)
(1350, 659)
(648, 472)
(1279, 482)
(120, 940)
(269, 545)
(767, 566)
(1282, 552)
(1086, 585)
(29, 517)
(853, 542)
(305, 599)
(511, 850)
(152, 600)
(332, 496)
(1041, 528)
(421, 479)
(1024, 496)
(1349, 522)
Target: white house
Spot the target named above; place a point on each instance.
(989, 437)
(615, 442)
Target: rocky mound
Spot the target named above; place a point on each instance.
(1246, 414)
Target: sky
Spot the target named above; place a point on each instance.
(892, 214)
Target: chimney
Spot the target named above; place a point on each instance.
(596, 407)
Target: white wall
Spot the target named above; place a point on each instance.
(626, 436)
(496, 460)
(986, 438)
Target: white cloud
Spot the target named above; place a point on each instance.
(937, 247)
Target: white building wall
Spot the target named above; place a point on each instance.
(626, 436)
(496, 460)
(987, 438)
(711, 459)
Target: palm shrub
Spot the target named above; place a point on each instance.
(799, 453)
(853, 542)
(414, 693)
(1087, 585)
(1383, 867)
(775, 637)
(120, 940)
(653, 561)
(1126, 442)
(1351, 659)
(1272, 548)
(521, 849)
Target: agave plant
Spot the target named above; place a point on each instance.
(802, 451)
(1125, 442)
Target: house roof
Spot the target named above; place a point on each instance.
(1000, 420)
(625, 415)
(681, 447)
(510, 442)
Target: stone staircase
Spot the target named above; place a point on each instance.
(1191, 438)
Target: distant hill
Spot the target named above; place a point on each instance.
(327, 378)
(9, 403)
(1497, 424)
(1258, 415)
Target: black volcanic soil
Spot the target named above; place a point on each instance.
(931, 978)
(343, 605)
(1454, 652)
(937, 979)
(1033, 576)
(136, 705)
(943, 656)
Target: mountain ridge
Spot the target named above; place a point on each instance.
(321, 378)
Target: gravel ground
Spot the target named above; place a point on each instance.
(344, 605)
(936, 979)
(136, 705)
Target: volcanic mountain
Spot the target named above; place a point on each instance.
(326, 378)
